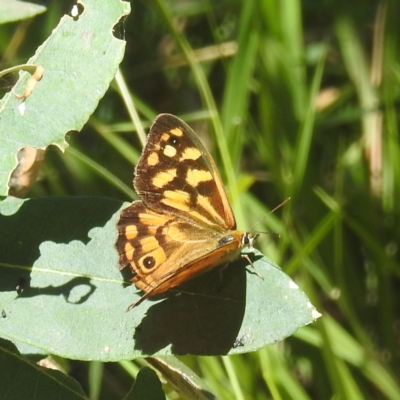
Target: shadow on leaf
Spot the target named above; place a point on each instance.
(203, 319)
(57, 220)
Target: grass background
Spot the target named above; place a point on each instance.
(294, 99)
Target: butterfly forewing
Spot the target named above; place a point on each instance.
(177, 175)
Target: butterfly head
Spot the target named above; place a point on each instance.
(248, 239)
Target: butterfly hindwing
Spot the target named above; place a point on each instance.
(151, 242)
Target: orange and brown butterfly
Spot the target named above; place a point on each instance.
(183, 225)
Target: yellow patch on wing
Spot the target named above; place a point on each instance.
(129, 250)
(191, 153)
(169, 151)
(165, 137)
(177, 132)
(196, 176)
(177, 199)
(152, 219)
(164, 177)
(204, 202)
(200, 217)
(153, 159)
(174, 233)
(149, 243)
(130, 232)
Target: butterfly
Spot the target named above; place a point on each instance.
(183, 225)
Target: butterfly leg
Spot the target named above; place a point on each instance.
(221, 271)
(247, 258)
(137, 302)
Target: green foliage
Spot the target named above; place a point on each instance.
(46, 382)
(10, 11)
(301, 101)
(85, 44)
(147, 386)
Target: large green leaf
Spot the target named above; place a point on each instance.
(147, 386)
(23, 379)
(80, 59)
(71, 297)
(13, 10)
(184, 381)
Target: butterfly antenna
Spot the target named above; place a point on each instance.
(280, 205)
(273, 210)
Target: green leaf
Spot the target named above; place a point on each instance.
(12, 10)
(181, 378)
(146, 386)
(22, 379)
(71, 297)
(80, 59)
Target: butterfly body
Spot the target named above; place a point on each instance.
(184, 224)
